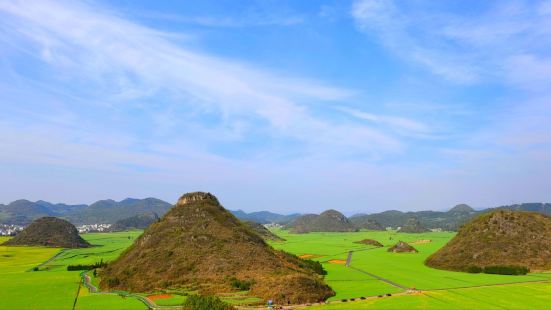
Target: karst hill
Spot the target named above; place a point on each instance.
(330, 220)
(139, 221)
(49, 231)
(200, 245)
(413, 226)
(498, 238)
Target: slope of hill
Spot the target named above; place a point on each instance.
(500, 237)
(450, 220)
(140, 221)
(329, 220)
(402, 247)
(413, 226)
(49, 231)
(262, 231)
(364, 222)
(22, 212)
(265, 217)
(198, 244)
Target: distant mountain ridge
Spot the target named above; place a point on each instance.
(140, 221)
(445, 220)
(265, 217)
(23, 212)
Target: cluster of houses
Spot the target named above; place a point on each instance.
(93, 228)
(10, 230)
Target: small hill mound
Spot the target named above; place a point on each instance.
(504, 238)
(364, 222)
(262, 231)
(330, 220)
(462, 208)
(402, 247)
(413, 226)
(201, 246)
(370, 242)
(140, 221)
(49, 231)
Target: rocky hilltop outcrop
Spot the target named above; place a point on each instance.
(49, 231)
(200, 245)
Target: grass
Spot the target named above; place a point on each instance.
(55, 288)
(513, 296)
(450, 289)
(106, 247)
(172, 301)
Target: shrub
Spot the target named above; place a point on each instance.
(113, 282)
(344, 300)
(198, 302)
(474, 269)
(99, 264)
(506, 270)
(242, 285)
(362, 298)
(35, 269)
(316, 266)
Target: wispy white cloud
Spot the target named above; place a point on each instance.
(106, 58)
(400, 123)
(252, 19)
(481, 47)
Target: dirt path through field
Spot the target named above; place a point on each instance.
(380, 278)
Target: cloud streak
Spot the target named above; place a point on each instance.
(124, 62)
(487, 46)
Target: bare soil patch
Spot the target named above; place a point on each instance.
(159, 296)
(421, 241)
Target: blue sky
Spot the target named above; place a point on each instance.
(289, 106)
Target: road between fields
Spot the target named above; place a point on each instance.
(87, 281)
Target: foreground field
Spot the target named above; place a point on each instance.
(53, 287)
(374, 272)
(510, 296)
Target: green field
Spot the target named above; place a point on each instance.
(373, 272)
(53, 287)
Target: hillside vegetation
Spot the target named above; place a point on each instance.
(413, 226)
(49, 231)
(140, 221)
(262, 231)
(498, 238)
(200, 245)
(330, 220)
